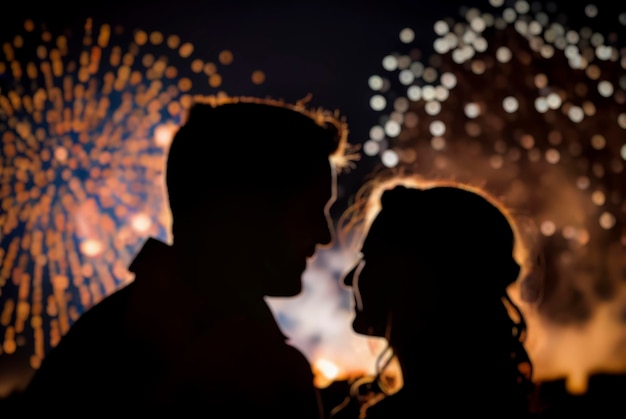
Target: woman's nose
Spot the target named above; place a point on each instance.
(327, 233)
(348, 278)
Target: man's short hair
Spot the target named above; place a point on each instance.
(247, 145)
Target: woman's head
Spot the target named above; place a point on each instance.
(428, 245)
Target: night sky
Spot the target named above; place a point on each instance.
(325, 48)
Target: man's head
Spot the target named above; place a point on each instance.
(250, 180)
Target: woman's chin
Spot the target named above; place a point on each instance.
(364, 327)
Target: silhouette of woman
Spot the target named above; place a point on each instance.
(432, 280)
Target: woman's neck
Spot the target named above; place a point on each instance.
(432, 347)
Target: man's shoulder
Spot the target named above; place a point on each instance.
(87, 349)
(260, 345)
(267, 338)
(286, 361)
(110, 311)
(98, 327)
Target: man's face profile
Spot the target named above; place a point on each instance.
(265, 218)
(294, 229)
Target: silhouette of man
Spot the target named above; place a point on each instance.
(250, 182)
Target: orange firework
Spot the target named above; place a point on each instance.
(85, 122)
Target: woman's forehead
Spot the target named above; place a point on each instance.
(380, 236)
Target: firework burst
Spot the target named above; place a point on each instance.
(534, 111)
(85, 120)
(536, 115)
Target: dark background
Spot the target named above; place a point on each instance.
(326, 48)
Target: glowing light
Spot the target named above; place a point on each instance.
(92, 248)
(371, 147)
(61, 154)
(438, 143)
(390, 63)
(164, 134)
(437, 128)
(401, 104)
(607, 220)
(377, 133)
(392, 128)
(186, 50)
(258, 77)
(432, 108)
(414, 93)
(407, 35)
(327, 368)
(553, 156)
(375, 82)
(598, 142)
(598, 198)
(428, 93)
(215, 80)
(141, 223)
(378, 102)
(583, 182)
(591, 10)
(541, 104)
(390, 158)
(156, 38)
(441, 93)
(441, 28)
(509, 15)
(510, 104)
(406, 77)
(544, 127)
(472, 110)
(548, 228)
(84, 131)
(448, 80)
(418, 69)
(576, 113)
(226, 57)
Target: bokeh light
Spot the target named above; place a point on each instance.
(86, 118)
(532, 110)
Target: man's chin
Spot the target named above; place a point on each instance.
(282, 294)
(280, 283)
(285, 290)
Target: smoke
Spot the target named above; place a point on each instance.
(319, 323)
(576, 351)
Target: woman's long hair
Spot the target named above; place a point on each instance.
(354, 225)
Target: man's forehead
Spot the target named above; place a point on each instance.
(326, 176)
(321, 184)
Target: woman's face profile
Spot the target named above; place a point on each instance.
(375, 280)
